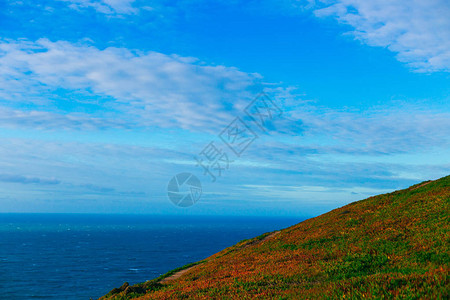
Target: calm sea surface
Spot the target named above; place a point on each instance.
(77, 256)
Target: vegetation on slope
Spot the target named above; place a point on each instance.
(394, 245)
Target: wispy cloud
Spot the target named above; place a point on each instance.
(73, 170)
(27, 179)
(109, 7)
(416, 30)
(35, 119)
(150, 87)
(377, 131)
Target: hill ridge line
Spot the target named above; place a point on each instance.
(182, 272)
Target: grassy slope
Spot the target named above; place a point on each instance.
(393, 245)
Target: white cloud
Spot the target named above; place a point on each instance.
(151, 88)
(49, 120)
(109, 7)
(383, 132)
(71, 173)
(307, 194)
(417, 30)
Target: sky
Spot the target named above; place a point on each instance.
(103, 102)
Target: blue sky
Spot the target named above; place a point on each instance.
(103, 101)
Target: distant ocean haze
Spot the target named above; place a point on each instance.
(82, 256)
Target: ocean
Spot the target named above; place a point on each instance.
(83, 256)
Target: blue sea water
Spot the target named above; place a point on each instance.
(78, 256)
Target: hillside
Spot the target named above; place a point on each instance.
(394, 245)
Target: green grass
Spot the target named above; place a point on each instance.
(391, 246)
